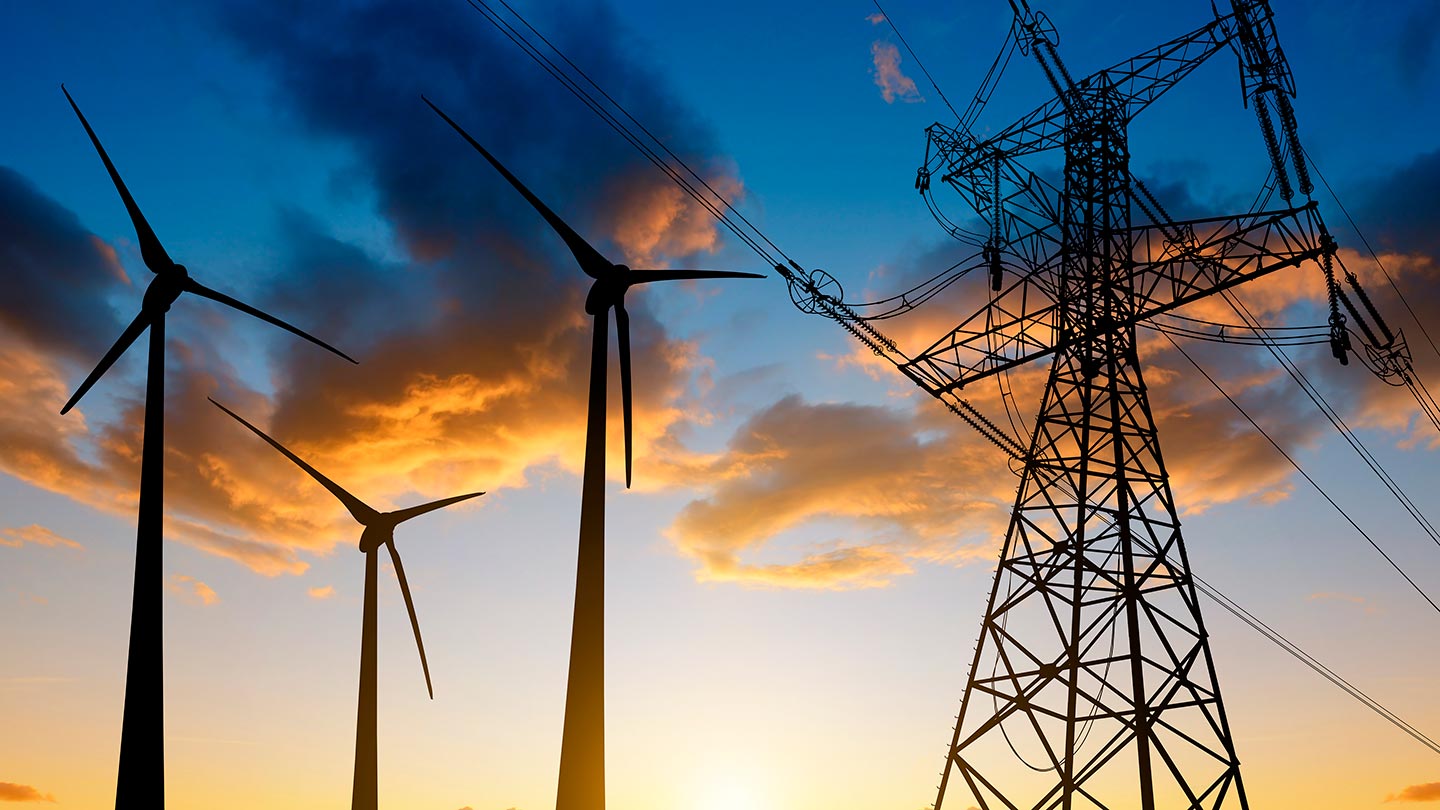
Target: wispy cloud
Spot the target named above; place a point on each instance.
(1428, 792)
(1359, 601)
(37, 680)
(12, 792)
(35, 535)
(192, 589)
(323, 592)
(894, 85)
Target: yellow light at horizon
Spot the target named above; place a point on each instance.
(729, 793)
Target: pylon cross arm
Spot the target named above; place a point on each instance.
(1136, 83)
(1021, 324)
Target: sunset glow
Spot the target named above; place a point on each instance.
(795, 581)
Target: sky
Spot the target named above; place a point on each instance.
(796, 577)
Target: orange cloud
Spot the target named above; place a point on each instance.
(799, 469)
(796, 467)
(1428, 792)
(192, 589)
(1358, 601)
(650, 218)
(473, 335)
(325, 592)
(1342, 597)
(1213, 455)
(455, 398)
(35, 535)
(11, 792)
(892, 82)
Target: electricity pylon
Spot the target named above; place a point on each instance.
(1093, 667)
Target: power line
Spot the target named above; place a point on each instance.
(718, 211)
(1373, 254)
(1302, 472)
(1333, 416)
(921, 65)
(1271, 634)
(1310, 661)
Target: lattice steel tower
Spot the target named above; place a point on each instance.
(1093, 666)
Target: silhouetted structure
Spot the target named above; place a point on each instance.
(582, 752)
(141, 781)
(379, 531)
(1093, 666)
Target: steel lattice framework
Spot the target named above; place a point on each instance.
(1101, 679)
(1093, 666)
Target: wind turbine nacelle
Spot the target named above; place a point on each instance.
(375, 536)
(165, 288)
(608, 290)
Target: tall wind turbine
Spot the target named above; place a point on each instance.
(141, 781)
(582, 749)
(379, 531)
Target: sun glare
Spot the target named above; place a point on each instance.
(730, 795)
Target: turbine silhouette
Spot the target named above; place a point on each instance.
(379, 531)
(582, 749)
(141, 781)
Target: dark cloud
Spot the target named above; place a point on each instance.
(57, 274)
(475, 346)
(501, 295)
(473, 337)
(357, 73)
(345, 293)
(1415, 45)
(1399, 213)
(1400, 210)
(1186, 190)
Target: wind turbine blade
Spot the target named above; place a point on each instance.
(363, 514)
(193, 286)
(402, 515)
(150, 249)
(410, 606)
(646, 276)
(622, 334)
(591, 262)
(127, 337)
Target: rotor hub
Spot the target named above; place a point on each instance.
(608, 290)
(165, 288)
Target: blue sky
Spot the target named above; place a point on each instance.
(822, 645)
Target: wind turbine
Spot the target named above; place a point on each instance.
(141, 781)
(582, 749)
(379, 531)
